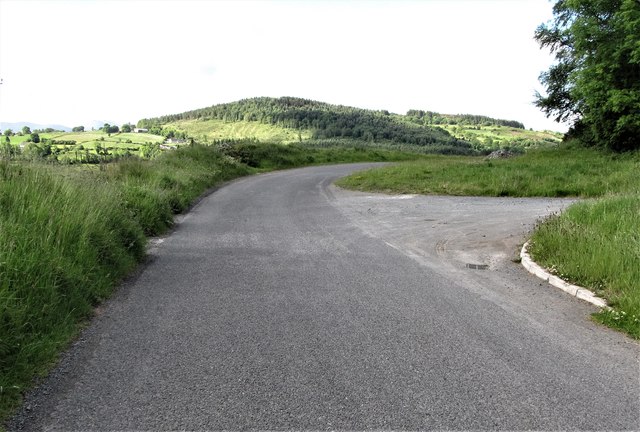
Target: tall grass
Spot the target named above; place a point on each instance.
(155, 190)
(68, 234)
(555, 172)
(64, 243)
(265, 156)
(596, 244)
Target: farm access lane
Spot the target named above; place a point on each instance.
(282, 302)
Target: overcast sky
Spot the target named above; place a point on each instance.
(75, 62)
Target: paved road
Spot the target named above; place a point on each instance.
(282, 302)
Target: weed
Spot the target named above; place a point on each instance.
(595, 243)
(69, 233)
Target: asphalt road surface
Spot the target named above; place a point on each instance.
(283, 302)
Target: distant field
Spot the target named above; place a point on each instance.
(482, 137)
(501, 136)
(90, 139)
(219, 129)
(95, 136)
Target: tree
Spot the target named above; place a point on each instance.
(26, 130)
(78, 129)
(595, 83)
(7, 151)
(126, 128)
(35, 138)
(109, 129)
(8, 132)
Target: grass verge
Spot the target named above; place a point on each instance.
(595, 243)
(69, 234)
(556, 172)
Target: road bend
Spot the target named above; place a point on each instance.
(283, 302)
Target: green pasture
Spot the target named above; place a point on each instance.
(210, 130)
(550, 172)
(502, 136)
(92, 137)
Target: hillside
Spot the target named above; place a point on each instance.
(495, 136)
(207, 130)
(85, 147)
(289, 119)
(316, 121)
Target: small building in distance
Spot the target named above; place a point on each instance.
(175, 141)
(140, 130)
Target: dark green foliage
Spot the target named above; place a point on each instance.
(325, 120)
(595, 83)
(434, 118)
(332, 143)
(109, 129)
(278, 156)
(35, 138)
(78, 129)
(47, 130)
(37, 151)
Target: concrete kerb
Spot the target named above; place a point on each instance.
(574, 290)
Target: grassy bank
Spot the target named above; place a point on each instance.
(545, 172)
(64, 243)
(595, 243)
(69, 234)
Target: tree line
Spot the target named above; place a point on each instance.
(434, 118)
(324, 120)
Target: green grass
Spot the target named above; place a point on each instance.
(94, 136)
(64, 242)
(553, 172)
(595, 243)
(70, 233)
(263, 156)
(90, 139)
(494, 137)
(212, 130)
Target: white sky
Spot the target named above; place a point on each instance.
(75, 62)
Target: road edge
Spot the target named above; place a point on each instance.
(575, 290)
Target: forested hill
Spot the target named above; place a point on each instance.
(325, 121)
(434, 118)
